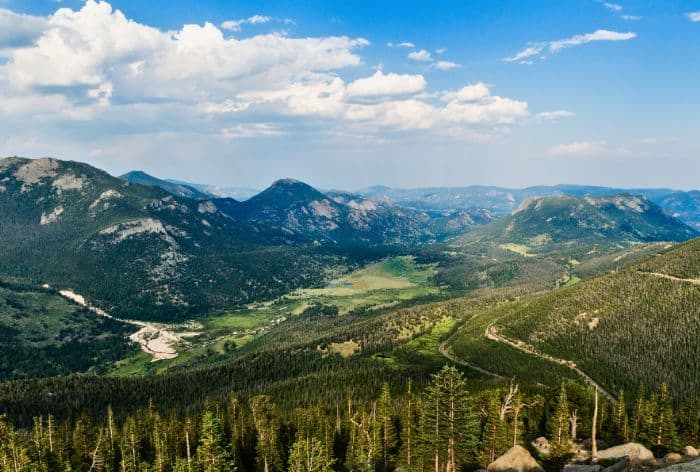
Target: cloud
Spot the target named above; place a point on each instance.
(17, 30)
(630, 17)
(553, 115)
(446, 65)
(235, 25)
(541, 49)
(380, 86)
(113, 78)
(693, 16)
(474, 104)
(441, 51)
(250, 130)
(579, 149)
(403, 44)
(612, 6)
(420, 56)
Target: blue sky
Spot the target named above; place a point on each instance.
(350, 94)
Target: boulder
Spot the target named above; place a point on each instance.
(583, 468)
(517, 459)
(542, 445)
(690, 451)
(673, 457)
(635, 452)
(692, 466)
(620, 466)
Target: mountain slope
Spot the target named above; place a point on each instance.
(565, 222)
(635, 327)
(137, 251)
(177, 189)
(302, 214)
(298, 213)
(42, 335)
(502, 201)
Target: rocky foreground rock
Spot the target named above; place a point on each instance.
(635, 452)
(516, 459)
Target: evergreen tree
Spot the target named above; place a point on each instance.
(386, 427)
(410, 424)
(212, 454)
(267, 424)
(494, 437)
(449, 425)
(309, 455)
(559, 426)
(666, 433)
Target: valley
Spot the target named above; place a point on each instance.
(333, 295)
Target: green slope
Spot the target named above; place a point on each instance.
(633, 328)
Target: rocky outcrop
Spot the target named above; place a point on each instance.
(633, 451)
(693, 466)
(583, 468)
(542, 445)
(516, 459)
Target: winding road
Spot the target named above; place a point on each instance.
(492, 333)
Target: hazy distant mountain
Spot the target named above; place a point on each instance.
(542, 224)
(221, 191)
(179, 189)
(501, 201)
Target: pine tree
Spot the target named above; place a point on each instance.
(449, 425)
(410, 423)
(212, 454)
(666, 433)
(309, 455)
(494, 438)
(386, 426)
(559, 426)
(266, 420)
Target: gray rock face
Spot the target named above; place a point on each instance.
(542, 445)
(692, 466)
(517, 459)
(582, 468)
(633, 451)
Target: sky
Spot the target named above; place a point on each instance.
(351, 94)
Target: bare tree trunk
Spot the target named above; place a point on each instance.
(594, 427)
(189, 454)
(574, 424)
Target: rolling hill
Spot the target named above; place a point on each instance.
(636, 327)
(580, 224)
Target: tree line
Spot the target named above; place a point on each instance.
(445, 426)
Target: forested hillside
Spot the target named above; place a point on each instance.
(446, 426)
(580, 226)
(44, 335)
(629, 329)
(137, 251)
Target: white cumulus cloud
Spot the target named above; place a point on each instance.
(693, 16)
(235, 25)
(541, 49)
(382, 85)
(420, 56)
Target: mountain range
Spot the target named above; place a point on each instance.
(141, 252)
(685, 205)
